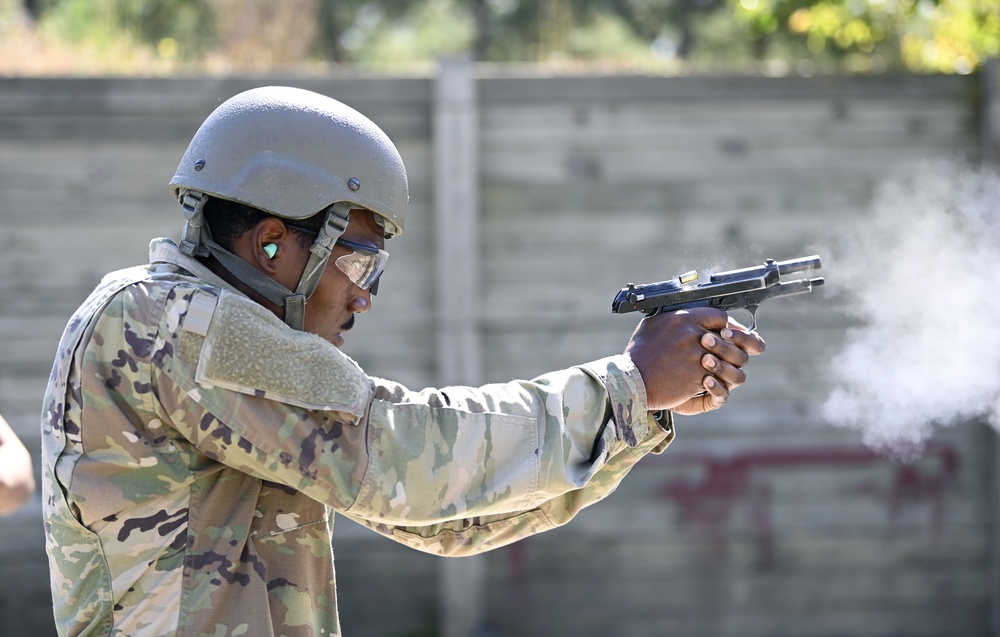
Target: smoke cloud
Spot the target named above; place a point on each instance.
(920, 276)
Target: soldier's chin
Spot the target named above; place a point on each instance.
(338, 338)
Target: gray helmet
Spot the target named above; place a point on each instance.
(291, 153)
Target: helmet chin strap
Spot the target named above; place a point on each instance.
(197, 242)
(334, 224)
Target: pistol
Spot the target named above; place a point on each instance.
(736, 289)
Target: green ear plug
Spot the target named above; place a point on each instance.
(271, 249)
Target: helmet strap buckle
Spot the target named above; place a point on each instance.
(192, 240)
(295, 311)
(333, 227)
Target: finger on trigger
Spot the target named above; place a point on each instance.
(749, 342)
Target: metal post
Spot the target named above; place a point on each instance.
(990, 85)
(456, 204)
(995, 544)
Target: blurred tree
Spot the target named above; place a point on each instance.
(344, 25)
(261, 35)
(950, 36)
(553, 30)
(808, 35)
(671, 23)
(70, 37)
(332, 21)
(400, 32)
(175, 29)
(33, 8)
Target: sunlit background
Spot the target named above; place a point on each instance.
(160, 37)
(848, 490)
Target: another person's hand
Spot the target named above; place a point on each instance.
(17, 482)
(691, 360)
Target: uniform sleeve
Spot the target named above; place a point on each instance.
(563, 441)
(434, 468)
(483, 533)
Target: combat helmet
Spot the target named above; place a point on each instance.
(291, 153)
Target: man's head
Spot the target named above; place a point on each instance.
(280, 250)
(304, 160)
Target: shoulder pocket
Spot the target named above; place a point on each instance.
(248, 350)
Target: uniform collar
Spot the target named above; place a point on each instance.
(165, 250)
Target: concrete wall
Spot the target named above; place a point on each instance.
(761, 520)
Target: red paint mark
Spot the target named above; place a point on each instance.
(744, 482)
(517, 560)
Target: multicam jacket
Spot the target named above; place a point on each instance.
(195, 449)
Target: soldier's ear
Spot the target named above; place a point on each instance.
(268, 240)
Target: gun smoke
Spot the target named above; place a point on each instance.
(920, 277)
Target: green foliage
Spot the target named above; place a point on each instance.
(160, 29)
(421, 33)
(951, 36)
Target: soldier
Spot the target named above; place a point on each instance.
(201, 425)
(17, 482)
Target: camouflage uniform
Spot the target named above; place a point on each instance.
(195, 449)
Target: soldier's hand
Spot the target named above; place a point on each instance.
(691, 360)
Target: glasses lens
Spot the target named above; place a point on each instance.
(363, 269)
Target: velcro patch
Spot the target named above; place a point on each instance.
(249, 350)
(199, 313)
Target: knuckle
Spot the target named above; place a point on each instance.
(730, 351)
(741, 377)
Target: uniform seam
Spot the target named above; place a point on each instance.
(259, 536)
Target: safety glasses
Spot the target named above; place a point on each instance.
(363, 265)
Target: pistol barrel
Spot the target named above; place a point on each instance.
(799, 265)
